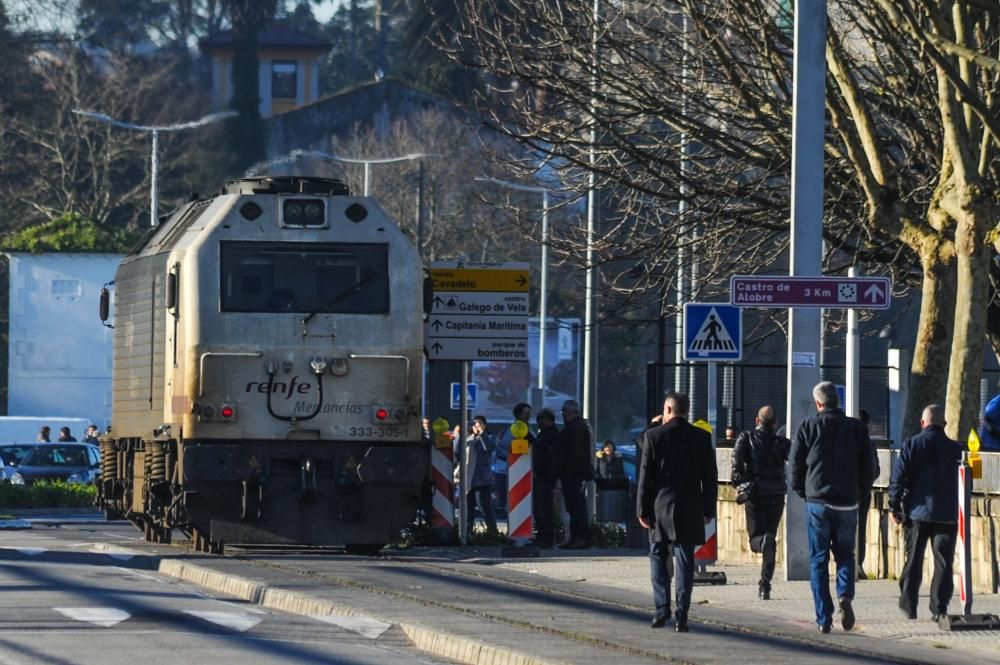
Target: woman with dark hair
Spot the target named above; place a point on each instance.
(610, 466)
(479, 447)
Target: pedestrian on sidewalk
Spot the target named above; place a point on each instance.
(865, 501)
(479, 448)
(43, 434)
(831, 464)
(923, 497)
(678, 488)
(576, 445)
(759, 473)
(545, 474)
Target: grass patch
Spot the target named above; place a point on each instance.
(48, 494)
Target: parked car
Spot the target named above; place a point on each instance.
(72, 462)
(11, 455)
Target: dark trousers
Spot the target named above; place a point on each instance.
(483, 496)
(543, 511)
(660, 574)
(763, 514)
(942, 538)
(500, 487)
(864, 503)
(576, 506)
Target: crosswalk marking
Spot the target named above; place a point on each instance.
(364, 626)
(99, 616)
(237, 621)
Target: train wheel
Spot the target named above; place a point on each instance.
(364, 549)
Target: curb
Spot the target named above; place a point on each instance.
(11, 525)
(437, 642)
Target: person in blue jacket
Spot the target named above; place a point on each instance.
(989, 432)
(923, 497)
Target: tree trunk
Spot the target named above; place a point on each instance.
(971, 298)
(929, 370)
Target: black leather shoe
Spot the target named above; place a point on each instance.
(824, 628)
(681, 627)
(862, 575)
(660, 621)
(764, 591)
(846, 613)
(908, 612)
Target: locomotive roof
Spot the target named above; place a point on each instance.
(172, 227)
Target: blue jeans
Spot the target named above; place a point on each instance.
(836, 530)
(659, 573)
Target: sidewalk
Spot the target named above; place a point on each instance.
(580, 607)
(791, 602)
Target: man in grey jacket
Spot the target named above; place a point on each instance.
(831, 465)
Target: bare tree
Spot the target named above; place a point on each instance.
(910, 150)
(59, 162)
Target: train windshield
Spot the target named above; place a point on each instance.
(339, 278)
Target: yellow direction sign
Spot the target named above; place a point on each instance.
(507, 280)
(703, 424)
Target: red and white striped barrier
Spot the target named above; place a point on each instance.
(709, 552)
(443, 470)
(519, 524)
(963, 571)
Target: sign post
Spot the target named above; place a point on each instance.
(478, 312)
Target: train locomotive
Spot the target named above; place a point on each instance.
(268, 350)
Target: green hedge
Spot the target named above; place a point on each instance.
(47, 494)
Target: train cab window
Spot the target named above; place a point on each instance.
(339, 278)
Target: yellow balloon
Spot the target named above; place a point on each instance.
(519, 430)
(973, 442)
(440, 425)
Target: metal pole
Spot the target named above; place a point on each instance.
(420, 208)
(463, 468)
(713, 394)
(964, 534)
(154, 172)
(368, 171)
(543, 296)
(852, 373)
(806, 245)
(589, 319)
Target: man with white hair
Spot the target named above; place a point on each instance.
(923, 497)
(831, 464)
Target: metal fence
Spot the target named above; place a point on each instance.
(744, 388)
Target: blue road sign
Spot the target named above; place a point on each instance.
(712, 331)
(456, 395)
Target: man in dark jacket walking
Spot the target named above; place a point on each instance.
(545, 471)
(576, 447)
(759, 470)
(678, 487)
(923, 496)
(831, 465)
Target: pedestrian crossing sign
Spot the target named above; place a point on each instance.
(712, 331)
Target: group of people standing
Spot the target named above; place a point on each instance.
(66, 435)
(561, 461)
(832, 465)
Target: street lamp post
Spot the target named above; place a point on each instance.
(542, 301)
(154, 131)
(366, 161)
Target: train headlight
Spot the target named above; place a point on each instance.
(389, 414)
(303, 213)
(381, 415)
(227, 411)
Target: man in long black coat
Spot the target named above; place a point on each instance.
(678, 487)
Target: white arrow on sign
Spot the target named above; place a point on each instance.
(874, 293)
